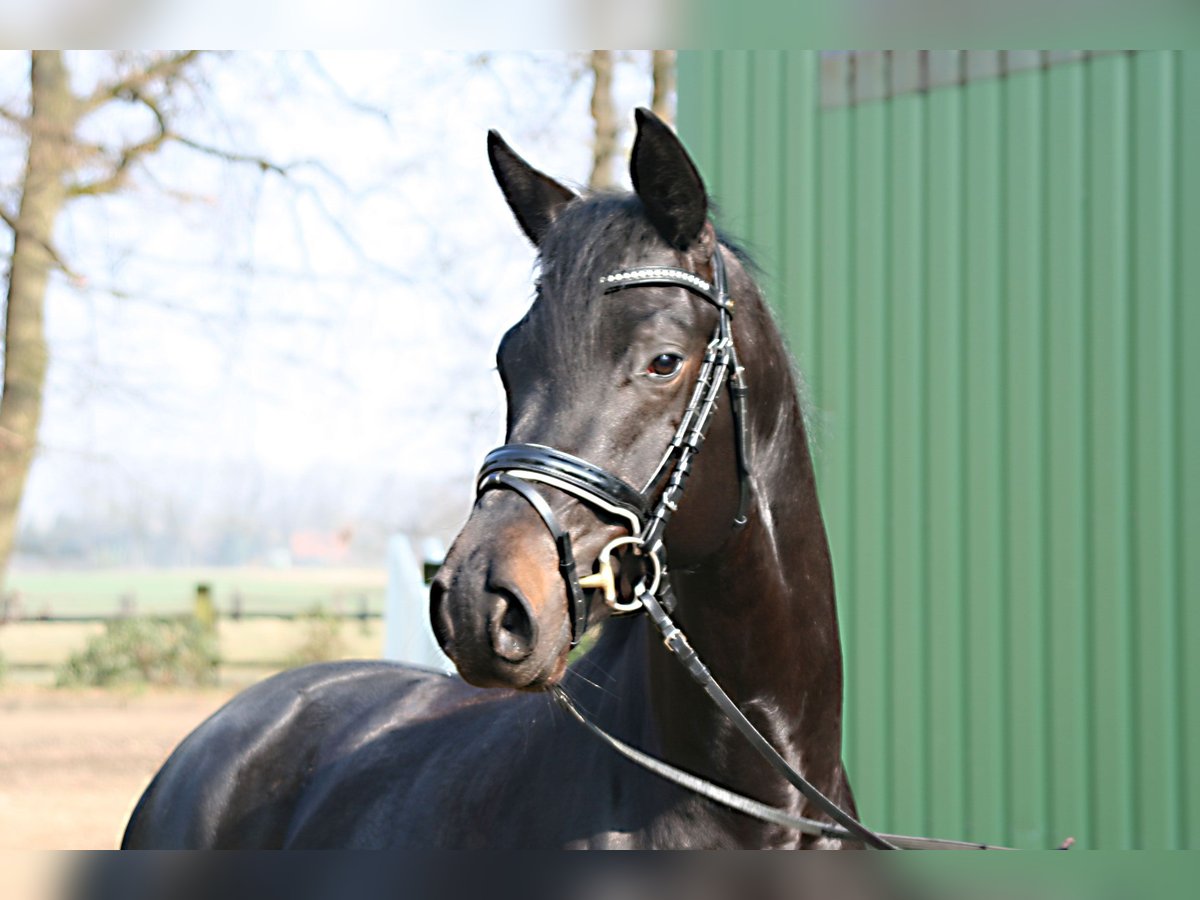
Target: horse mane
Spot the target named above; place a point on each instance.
(745, 255)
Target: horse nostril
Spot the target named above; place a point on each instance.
(439, 614)
(511, 626)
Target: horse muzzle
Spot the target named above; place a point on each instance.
(498, 611)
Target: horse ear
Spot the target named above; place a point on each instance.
(536, 199)
(666, 180)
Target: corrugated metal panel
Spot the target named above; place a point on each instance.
(859, 76)
(993, 289)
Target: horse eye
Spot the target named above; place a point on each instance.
(664, 365)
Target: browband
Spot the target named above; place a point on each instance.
(658, 276)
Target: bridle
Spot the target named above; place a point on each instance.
(521, 467)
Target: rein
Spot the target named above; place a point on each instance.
(520, 467)
(747, 805)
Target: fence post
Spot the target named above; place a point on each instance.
(203, 607)
(407, 636)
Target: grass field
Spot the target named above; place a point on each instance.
(249, 648)
(161, 591)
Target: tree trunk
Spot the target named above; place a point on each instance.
(52, 119)
(604, 147)
(662, 68)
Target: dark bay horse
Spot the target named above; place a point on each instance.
(372, 754)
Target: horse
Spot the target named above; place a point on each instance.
(601, 375)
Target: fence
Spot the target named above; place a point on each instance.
(16, 607)
(264, 618)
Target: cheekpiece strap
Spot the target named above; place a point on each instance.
(562, 544)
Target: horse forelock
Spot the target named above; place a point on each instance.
(592, 237)
(606, 232)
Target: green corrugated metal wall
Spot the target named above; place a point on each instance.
(993, 289)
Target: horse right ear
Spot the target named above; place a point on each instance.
(666, 180)
(535, 198)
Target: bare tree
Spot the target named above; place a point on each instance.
(154, 242)
(61, 165)
(662, 70)
(53, 114)
(606, 142)
(604, 146)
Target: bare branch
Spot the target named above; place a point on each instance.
(167, 69)
(55, 258)
(163, 134)
(351, 243)
(233, 156)
(9, 116)
(129, 155)
(340, 92)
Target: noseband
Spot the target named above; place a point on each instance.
(519, 467)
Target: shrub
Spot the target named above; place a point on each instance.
(144, 650)
(322, 639)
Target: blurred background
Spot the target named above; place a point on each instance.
(272, 286)
(249, 371)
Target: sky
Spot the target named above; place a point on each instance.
(327, 334)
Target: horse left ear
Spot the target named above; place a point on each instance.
(535, 198)
(666, 180)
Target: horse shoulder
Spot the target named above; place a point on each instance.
(239, 777)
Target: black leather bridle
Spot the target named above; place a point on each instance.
(519, 467)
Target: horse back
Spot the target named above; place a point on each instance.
(238, 779)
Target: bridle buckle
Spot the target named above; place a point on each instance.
(605, 581)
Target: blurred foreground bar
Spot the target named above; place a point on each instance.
(532, 875)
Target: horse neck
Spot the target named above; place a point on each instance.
(761, 612)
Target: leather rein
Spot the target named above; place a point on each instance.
(521, 467)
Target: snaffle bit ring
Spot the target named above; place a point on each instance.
(605, 580)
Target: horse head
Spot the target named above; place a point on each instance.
(600, 379)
